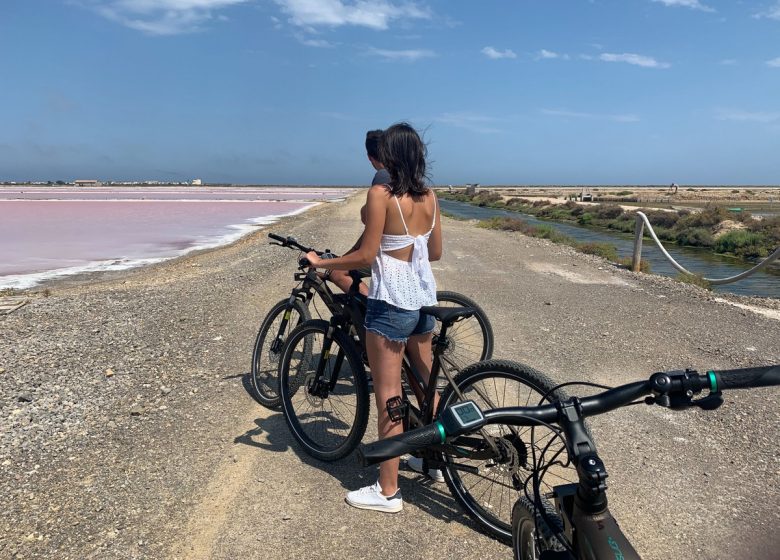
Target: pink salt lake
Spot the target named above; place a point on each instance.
(49, 232)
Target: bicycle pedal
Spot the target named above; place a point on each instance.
(397, 409)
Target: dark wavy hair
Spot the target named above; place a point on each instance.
(403, 154)
(373, 139)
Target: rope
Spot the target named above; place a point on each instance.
(713, 281)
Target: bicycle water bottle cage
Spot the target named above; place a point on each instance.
(397, 409)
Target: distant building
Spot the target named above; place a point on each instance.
(87, 183)
(471, 188)
(197, 182)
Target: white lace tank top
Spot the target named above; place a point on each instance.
(408, 285)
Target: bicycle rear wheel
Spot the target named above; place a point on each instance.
(534, 532)
(326, 408)
(487, 488)
(469, 340)
(268, 347)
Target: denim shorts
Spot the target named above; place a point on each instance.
(394, 323)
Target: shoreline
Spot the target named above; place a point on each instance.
(25, 281)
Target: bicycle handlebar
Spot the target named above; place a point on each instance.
(408, 442)
(292, 243)
(670, 389)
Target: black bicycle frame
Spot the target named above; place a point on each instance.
(588, 524)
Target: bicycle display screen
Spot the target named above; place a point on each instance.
(467, 414)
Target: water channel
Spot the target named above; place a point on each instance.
(764, 283)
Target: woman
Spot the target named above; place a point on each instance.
(402, 236)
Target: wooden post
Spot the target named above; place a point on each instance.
(639, 230)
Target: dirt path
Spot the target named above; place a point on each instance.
(168, 457)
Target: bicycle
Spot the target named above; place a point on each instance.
(577, 524)
(471, 341)
(325, 404)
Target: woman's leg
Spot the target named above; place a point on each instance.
(385, 357)
(421, 356)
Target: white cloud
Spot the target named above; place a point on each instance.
(317, 43)
(162, 17)
(771, 13)
(375, 14)
(728, 61)
(490, 52)
(774, 63)
(544, 54)
(739, 115)
(409, 55)
(635, 59)
(624, 118)
(470, 121)
(692, 4)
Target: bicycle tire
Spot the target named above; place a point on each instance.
(497, 384)
(532, 532)
(469, 340)
(342, 416)
(265, 361)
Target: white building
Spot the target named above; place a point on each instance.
(197, 182)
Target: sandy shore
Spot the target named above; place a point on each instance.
(126, 430)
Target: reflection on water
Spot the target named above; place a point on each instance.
(764, 283)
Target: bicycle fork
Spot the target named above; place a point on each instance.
(328, 367)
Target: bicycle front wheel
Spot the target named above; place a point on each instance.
(488, 487)
(533, 532)
(469, 340)
(268, 347)
(324, 390)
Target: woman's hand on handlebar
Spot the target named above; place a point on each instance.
(314, 259)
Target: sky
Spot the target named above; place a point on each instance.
(283, 91)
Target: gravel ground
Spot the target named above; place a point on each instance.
(126, 430)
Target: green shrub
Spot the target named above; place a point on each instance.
(605, 250)
(586, 218)
(697, 237)
(659, 218)
(743, 243)
(627, 262)
(485, 198)
(607, 211)
(708, 217)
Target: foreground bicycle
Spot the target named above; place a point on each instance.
(577, 523)
(470, 341)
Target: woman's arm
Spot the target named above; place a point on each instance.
(376, 212)
(434, 241)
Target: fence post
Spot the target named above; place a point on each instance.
(639, 230)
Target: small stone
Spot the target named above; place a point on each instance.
(217, 338)
(2, 370)
(548, 303)
(164, 390)
(24, 397)
(136, 410)
(109, 372)
(286, 517)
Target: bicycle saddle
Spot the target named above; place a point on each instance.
(448, 314)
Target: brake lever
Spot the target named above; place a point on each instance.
(710, 402)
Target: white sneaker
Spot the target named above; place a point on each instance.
(371, 497)
(416, 464)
